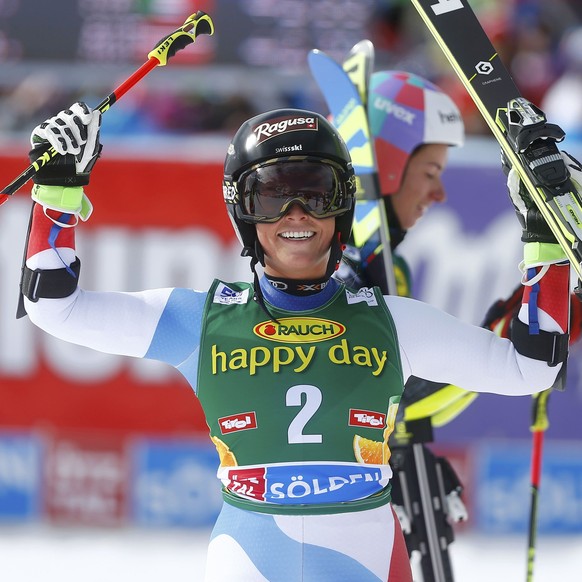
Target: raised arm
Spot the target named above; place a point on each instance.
(437, 347)
(119, 323)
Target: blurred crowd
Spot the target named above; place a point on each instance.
(540, 41)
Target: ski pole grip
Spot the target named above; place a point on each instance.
(196, 24)
(540, 411)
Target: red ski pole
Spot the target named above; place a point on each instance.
(539, 426)
(167, 47)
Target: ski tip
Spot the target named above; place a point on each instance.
(313, 55)
(363, 47)
(363, 44)
(317, 58)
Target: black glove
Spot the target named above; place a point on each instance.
(74, 134)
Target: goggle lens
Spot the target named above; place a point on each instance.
(267, 192)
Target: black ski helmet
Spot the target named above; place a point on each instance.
(280, 136)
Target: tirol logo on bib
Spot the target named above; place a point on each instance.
(281, 125)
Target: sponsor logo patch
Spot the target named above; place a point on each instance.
(228, 192)
(449, 117)
(297, 330)
(395, 110)
(250, 483)
(484, 68)
(299, 357)
(288, 149)
(228, 296)
(366, 418)
(237, 422)
(282, 125)
(364, 294)
(307, 483)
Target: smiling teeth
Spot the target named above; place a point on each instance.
(303, 234)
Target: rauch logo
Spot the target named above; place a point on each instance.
(298, 330)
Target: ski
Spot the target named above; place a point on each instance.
(421, 491)
(359, 66)
(368, 233)
(526, 139)
(521, 128)
(345, 94)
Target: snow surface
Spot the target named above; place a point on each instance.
(29, 554)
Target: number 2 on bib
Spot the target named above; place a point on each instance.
(312, 403)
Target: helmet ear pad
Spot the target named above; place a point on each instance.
(248, 236)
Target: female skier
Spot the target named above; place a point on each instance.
(299, 377)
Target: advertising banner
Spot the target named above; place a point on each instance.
(155, 225)
(503, 489)
(174, 483)
(20, 466)
(84, 478)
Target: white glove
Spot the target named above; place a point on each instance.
(73, 131)
(74, 134)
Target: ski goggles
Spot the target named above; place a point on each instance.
(267, 192)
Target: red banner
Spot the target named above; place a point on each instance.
(155, 224)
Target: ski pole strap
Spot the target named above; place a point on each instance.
(546, 346)
(50, 283)
(532, 304)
